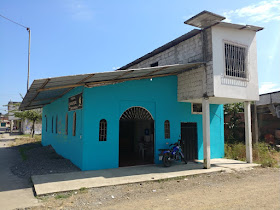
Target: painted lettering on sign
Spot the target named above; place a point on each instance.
(75, 102)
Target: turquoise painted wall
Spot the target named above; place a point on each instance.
(69, 146)
(157, 95)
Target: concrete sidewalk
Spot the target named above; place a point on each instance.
(14, 191)
(46, 184)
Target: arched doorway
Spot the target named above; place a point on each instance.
(136, 139)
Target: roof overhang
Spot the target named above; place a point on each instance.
(206, 19)
(45, 91)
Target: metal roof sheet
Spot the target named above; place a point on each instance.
(45, 91)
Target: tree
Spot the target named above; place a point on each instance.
(235, 122)
(32, 115)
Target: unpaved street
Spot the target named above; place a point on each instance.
(255, 189)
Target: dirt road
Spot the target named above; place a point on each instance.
(255, 189)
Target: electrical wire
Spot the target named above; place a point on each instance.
(14, 22)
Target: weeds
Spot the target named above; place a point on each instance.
(26, 139)
(263, 153)
(62, 196)
(22, 151)
(83, 190)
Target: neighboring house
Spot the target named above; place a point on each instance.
(120, 118)
(19, 125)
(4, 121)
(26, 127)
(268, 109)
(15, 122)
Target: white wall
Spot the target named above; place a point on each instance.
(26, 126)
(234, 88)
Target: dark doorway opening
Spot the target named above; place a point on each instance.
(189, 140)
(136, 138)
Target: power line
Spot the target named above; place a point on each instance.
(14, 22)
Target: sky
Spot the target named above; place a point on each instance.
(86, 36)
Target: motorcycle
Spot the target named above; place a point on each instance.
(172, 154)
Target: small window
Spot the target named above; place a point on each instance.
(46, 123)
(103, 130)
(154, 64)
(235, 61)
(52, 124)
(167, 129)
(74, 124)
(66, 124)
(56, 120)
(197, 108)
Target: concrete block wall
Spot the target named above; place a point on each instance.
(190, 84)
(188, 51)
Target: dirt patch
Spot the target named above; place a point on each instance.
(255, 189)
(38, 160)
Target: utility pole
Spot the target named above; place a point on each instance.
(29, 32)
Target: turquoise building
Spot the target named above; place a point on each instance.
(117, 122)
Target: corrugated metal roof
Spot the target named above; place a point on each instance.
(45, 91)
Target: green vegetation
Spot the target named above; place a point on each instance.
(263, 153)
(32, 115)
(22, 151)
(26, 139)
(62, 195)
(83, 190)
(235, 123)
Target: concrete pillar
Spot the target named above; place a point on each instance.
(248, 132)
(206, 133)
(11, 126)
(255, 125)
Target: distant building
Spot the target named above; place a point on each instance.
(15, 123)
(19, 125)
(4, 121)
(268, 110)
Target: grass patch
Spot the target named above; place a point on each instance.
(26, 139)
(263, 154)
(83, 190)
(22, 151)
(62, 196)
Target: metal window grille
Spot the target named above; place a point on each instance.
(74, 124)
(103, 130)
(197, 108)
(167, 129)
(66, 124)
(235, 61)
(136, 113)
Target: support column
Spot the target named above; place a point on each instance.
(248, 132)
(206, 133)
(255, 125)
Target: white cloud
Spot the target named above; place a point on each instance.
(79, 10)
(115, 68)
(264, 11)
(267, 87)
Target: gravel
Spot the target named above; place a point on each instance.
(41, 160)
